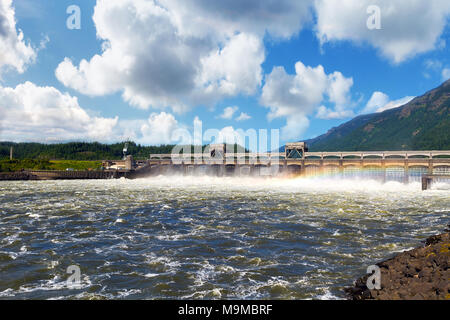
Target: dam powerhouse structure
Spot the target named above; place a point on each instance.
(403, 166)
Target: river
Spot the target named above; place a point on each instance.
(206, 238)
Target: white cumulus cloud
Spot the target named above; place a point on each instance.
(445, 74)
(243, 117)
(229, 112)
(33, 113)
(380, 102)
(294, 97)
(159, 129)
(15, 53)
(181, 53)
(408, 27)
(280, 19)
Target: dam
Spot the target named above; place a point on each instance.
(404, 166)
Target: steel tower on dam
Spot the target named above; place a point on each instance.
(297, 160)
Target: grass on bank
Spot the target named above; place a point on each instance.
(58, 165)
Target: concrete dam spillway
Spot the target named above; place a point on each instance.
(403, 166)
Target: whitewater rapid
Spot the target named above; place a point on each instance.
(206, 237)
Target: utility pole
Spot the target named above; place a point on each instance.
(11, 153)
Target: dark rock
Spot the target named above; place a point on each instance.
(419, 274)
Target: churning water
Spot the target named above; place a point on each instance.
(206, 238)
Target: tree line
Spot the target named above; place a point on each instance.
(85, 151)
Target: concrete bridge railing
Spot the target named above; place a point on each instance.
(307, 155)
(382, 155)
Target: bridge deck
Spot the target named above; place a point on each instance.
(320, 155)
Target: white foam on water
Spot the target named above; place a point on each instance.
(128, 292)
(175, 237)
(151, 275)
(203, 275)
(33, 215)
(328, 296)
(317, 184)
(404, 250)
(440, 186)
(167, 262)
(54, 284)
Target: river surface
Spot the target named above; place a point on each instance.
(206, 238)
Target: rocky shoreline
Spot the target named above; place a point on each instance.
(419, 274)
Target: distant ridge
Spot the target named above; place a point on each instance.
(422, 124)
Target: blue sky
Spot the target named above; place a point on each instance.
(161, 67)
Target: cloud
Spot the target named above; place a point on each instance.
(329, 114)
(445, 74)
(433, 65)
(287, 94)
(280, 19)
(296, 125)
(15, 53)
(294, 97)
(33, 113)
(338, 92)
(159, 129)
(380, 102)
(228, 113)
(229, 135)
(396, 103)
(377, 101)
(181, 53)
(44, 114)
(436, 67)
(243, 117)
(223, 73)
(408, 27)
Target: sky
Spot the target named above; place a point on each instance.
(154, 71)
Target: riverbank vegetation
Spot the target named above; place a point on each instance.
(32, 164)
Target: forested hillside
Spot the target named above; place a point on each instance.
(78, 151)
(85, 151)
(422, 124)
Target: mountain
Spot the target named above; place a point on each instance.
(422, 124)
